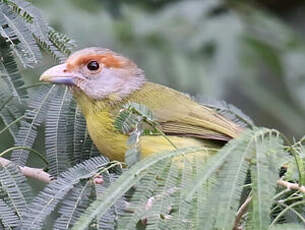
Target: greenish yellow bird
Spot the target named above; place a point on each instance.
(102, 81)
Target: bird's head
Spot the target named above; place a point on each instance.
(98, 73)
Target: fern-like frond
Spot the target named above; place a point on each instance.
(63, 43)
(110, 218)
(73, 205)
(46, 201)
(20, 37)
(59, 47)
(9, 112)
(164, 196)
(7, 216)
(10, 73)
(79, 146)
(264, 173)
(35, 116)
(19, 7)
(79, 135)
(184, 211)
(196, 210)
(56, 132)
(224, 198)
(215, 162)
(55, 43)
(138, 205)
(117, 189)
(231, 112)
(18, 192)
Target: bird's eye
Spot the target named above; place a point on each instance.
(93, 65)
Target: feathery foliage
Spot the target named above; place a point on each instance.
(26, 136)
(192, 188)
(15, 195)
(56, 191)
(56, 138)
(22, 30)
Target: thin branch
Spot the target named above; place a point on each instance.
(291, 186)
(35, 173)
(241, 211)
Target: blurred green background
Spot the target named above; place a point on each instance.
(248, 53)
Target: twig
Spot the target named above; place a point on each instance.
(291, 186)
(241, 211)
(35, 173)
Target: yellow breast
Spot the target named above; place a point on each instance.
(113, 144)
(109, 141)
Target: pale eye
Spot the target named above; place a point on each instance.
(93, 66)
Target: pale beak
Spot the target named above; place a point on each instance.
(59, 75)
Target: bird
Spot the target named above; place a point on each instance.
(103, 81)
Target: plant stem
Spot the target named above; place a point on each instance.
(25, 148)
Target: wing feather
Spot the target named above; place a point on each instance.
(179, 115)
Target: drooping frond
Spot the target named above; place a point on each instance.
(186, 211)
(215, 162)
(195, 213)
(56, 134)
(110, 218)
(117, 189)
(10, 73)
(138, 204)
(231, 112)
(35, 116)
(18, 194)
(7, 216)
(264, 173)
(224, 198)
(63, 43)
(75, 202)
(79, 135)
(164, 196)
(46, 201)
(19, 7)
(20, 38)
(9, 112)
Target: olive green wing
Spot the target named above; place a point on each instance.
(179, 115)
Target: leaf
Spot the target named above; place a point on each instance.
(75, 203)
(28, 130)
(110, 218)
(56, 133)
(18, 192)
(61, 41)
(10, 73)
(231, 112)
(47, 200)
(7, 216)
(8, 112)
(124, 183)
(20, 37)
(264, 173)
(19, 8)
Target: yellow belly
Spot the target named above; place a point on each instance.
(113, 144)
